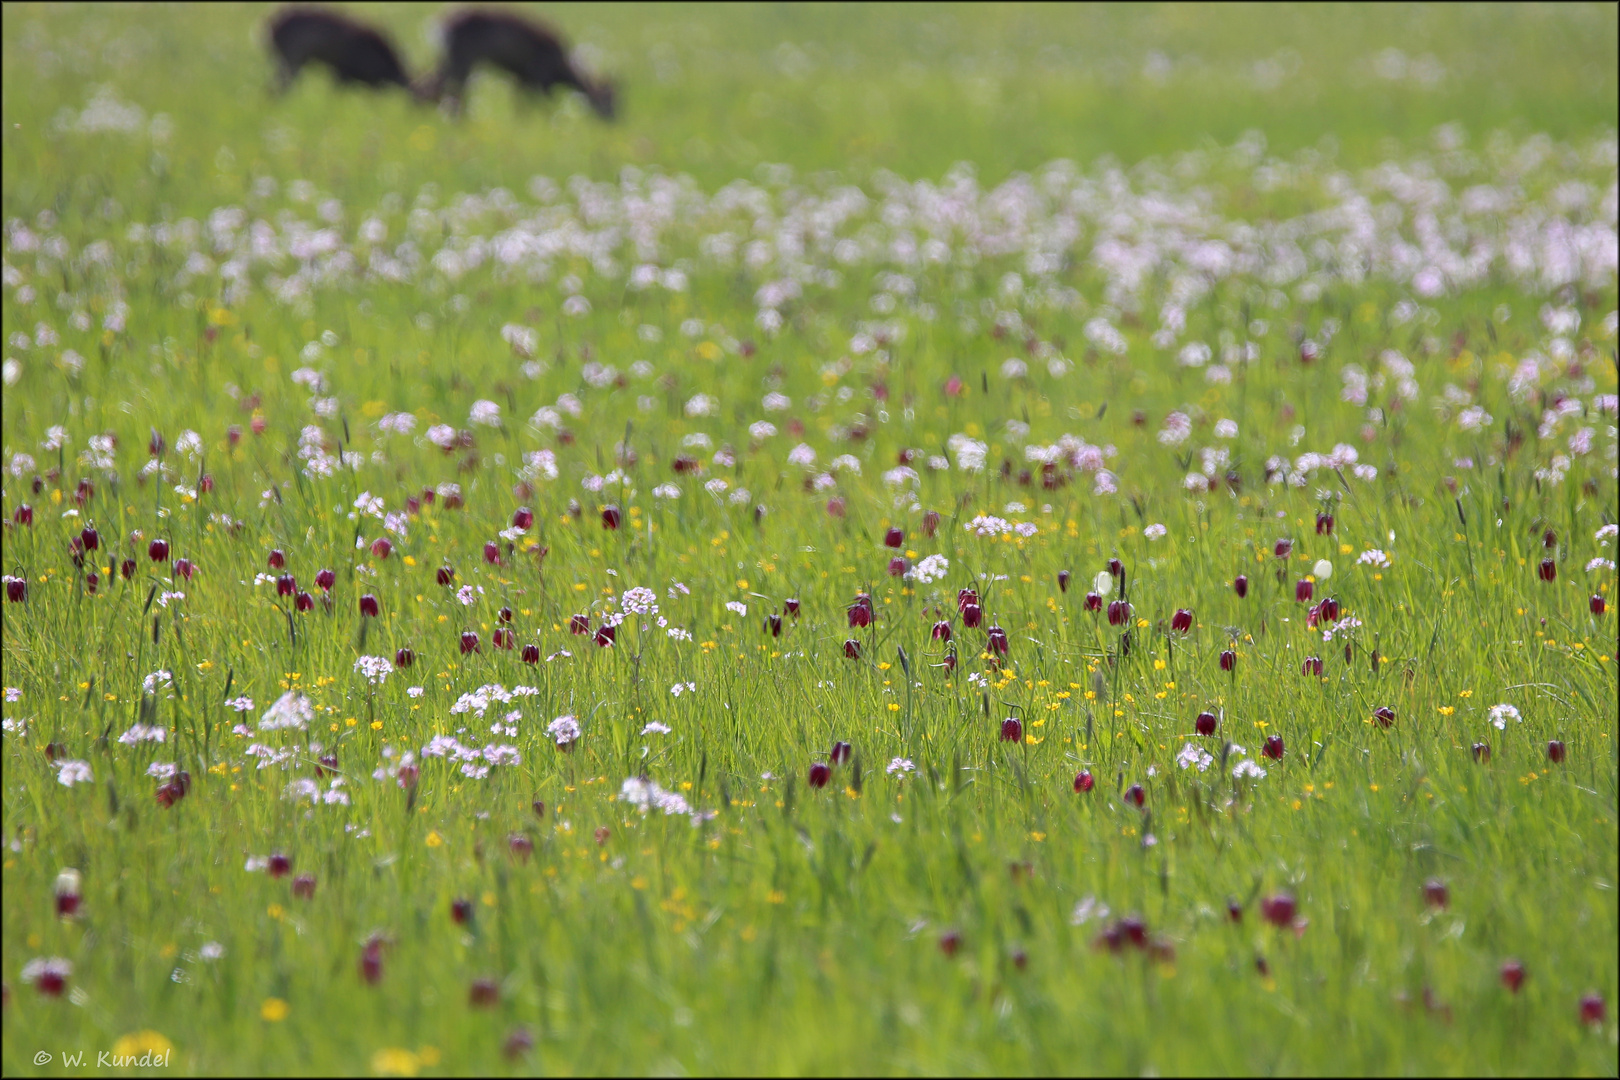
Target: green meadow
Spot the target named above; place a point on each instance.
(946, 539)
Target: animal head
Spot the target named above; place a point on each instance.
(602, 95)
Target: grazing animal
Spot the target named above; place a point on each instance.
(527, 51)
(356, 53)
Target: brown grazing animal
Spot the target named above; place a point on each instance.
(527, 51)
(356, 53)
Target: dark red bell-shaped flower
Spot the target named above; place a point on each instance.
(996, 645)
(1311, 666)
(1181, 622)
(580, 624)
(522, 517)
(1283, 548)
(90, 538)
(1549, 570)
(972, 616)
(1279, 909)
(531, 654)
(1093, 602)
(520, 846)
(461, 911)
(1063, 580)
(893, 537)
(91, 581)
(404, 658)
(1328, 610)
(1012, 730)
(304, 602)
(773, 624)
(286, 585)
(1384, 715)
(1240, 585)
(1273, 747)
(184, 568)
(1512, 975)
(279, 864)
(860, 615)
(1115, 567)
(1204, 723)
(1234, 911)
(1083, 782)
(16, 589)
(484, 993)
(502, 637)
(852, 649)
(1549, 539)
(158, 550)
(504, 615)
(325, 579)
(950, 943)
(966, 597)
(1119, 612)
(610, 517)
(1324, 524)
(605, 636)
(277, 559)
(1481, 752)
(469, 642)
(1228, 659)
(898, 566)
(1593, 1009)
(371, 961)
(930, 522)
(492, 553)
(820, 773)
(1556, 751)
(791, 606)
(126, 569)
(303, 886)
(446, 575)
(1436, 894)
(1135, 796)
(1597, 605)
(369, 608)
(68, 894)
(382, 547)
(23, 515)
(941, 631)
(841, 752)
(1304, 590)
(835, 507)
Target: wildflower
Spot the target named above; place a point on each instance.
(1499, 715)
(1083, 781)
(375, 669)
(1240, 585)
(900, 766)
(1555, 751)
(291, 710)
(1312, 666)
(1135, 796)
(1303, 590)
(996, 645)
(564, 731)
(610, 517)
(1597, 605)
(1279, 909)
(1204, 724)
(68, 893)
(1228, 660)
(1548, 570)
(369, 608)
(303, 886)
(1247, 769)
(1192, 756)
(325, 579)
(1273, 747)
(158, 550)
(48, 974)
(1155, 532)
(1119, 612)
(1481, 752)
(1594, 1010)
(1181, 622)
(72, 772)
(819, 775)
(1063, 580)
(1384, 715)
(1436, 893)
